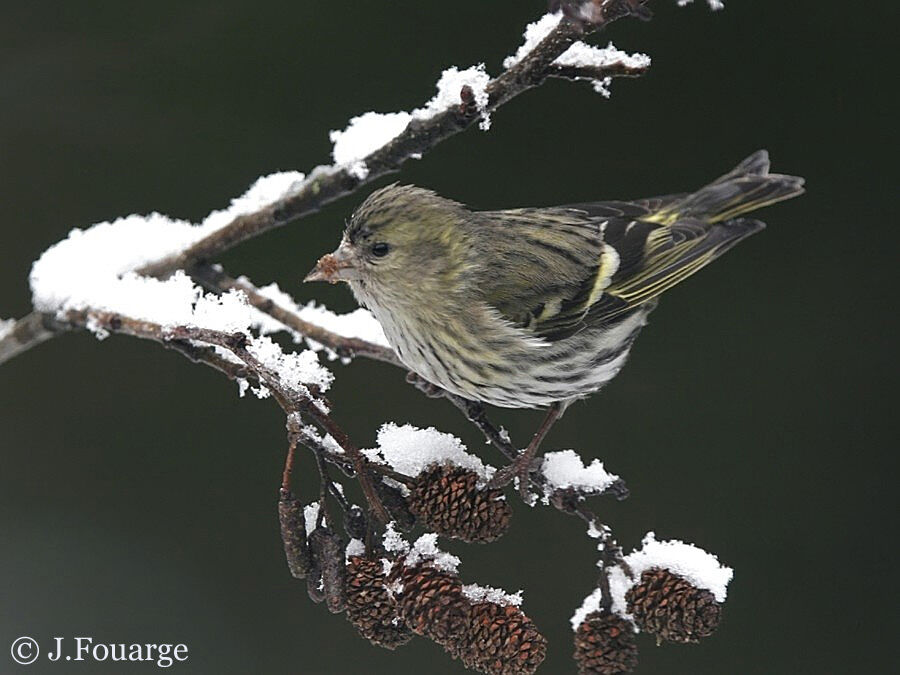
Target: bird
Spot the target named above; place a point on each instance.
(534, 307)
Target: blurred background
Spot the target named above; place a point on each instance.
(755, 418)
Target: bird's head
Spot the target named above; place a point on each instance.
(401, 241)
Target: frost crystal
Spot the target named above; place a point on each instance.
(498, 596)
(410, 450)
(393, 541)
(425, 549)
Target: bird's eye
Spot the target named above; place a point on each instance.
(380, 249)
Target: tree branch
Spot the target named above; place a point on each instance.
(213, 278)
(25, 333)
(328, 183)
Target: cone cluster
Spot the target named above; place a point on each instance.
(669, 606)
(605, 645)
(370, 608)
(448, 500)
(486, 636)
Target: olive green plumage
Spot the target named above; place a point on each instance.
(527, 307)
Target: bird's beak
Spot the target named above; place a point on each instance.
(336, 266)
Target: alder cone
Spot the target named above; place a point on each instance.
(447, 500)
(431, 602)
(669, 606)
(605, 645)
(370, 608)
(501, 640)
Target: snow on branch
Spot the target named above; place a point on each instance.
(6, 327)
(152, 277)
(371, 146)
(714, 5)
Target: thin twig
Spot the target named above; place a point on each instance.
(214, 279)
(288, 465)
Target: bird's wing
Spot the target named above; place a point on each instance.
(560, 270)
(654, 257)
(632, 251)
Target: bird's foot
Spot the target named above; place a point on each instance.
(520, 470)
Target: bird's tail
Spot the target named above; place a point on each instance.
(745, 188)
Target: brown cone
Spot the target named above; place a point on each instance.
(671, 607)
(604, 645)
(431, 602)
(447, 500)
(501, 641)
(369, 608)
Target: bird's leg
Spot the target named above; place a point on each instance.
(521, 467)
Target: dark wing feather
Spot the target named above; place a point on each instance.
(560, 270)
(671, 254)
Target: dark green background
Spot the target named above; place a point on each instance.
(755, 418)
